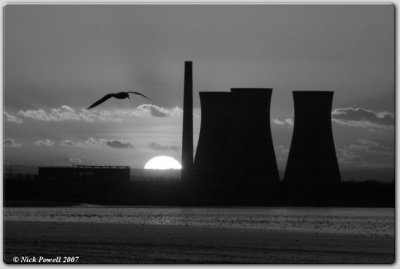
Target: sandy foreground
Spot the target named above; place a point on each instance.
(126, 243)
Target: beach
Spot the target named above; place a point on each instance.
(148, 243)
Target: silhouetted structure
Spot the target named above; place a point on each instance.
(213, 155)
(251, 143)
(312, 157)
(81, 174)
(187, 129)
(235, 143)
(30, 190)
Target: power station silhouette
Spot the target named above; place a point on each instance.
(187, 130)
(312, 157)
(254, 154)
(212, 155)
(234, 164)
(235, 142)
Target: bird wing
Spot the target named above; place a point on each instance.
(102, 100)
(138, 93)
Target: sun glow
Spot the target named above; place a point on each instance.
(163, 162)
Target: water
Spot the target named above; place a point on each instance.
(363, 221)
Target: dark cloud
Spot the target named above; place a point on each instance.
(10, 143)
(158, 147)
(361, 117)
(119, 144)
(93, 142)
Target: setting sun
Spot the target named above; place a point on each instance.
(162, 162)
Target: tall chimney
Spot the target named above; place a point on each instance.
(187, 134)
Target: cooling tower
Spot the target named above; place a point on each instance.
(187, 130)
(252, 150)
(212, 154)
(235, 142)
(312, 157)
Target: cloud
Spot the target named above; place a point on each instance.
(46, 142)
(278, 122)
(119, 144)
(287, 122)
(361, 117)
(156, 111)
(346, 156)
(283, 149)
(66, 113)
(56, 114)
(353, 117)
(365, 153)
(371, 147)
(112, 143)
(10, 143)
(93, 142)
(68, 143)
(158, 147)
(11, 118)
(74, 159)
(281, 152)
(63, 113)
(101, 142)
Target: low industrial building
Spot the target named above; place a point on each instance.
(85, 174)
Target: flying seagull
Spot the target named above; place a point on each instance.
(119, 95)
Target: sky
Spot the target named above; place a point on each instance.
(59, 59)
